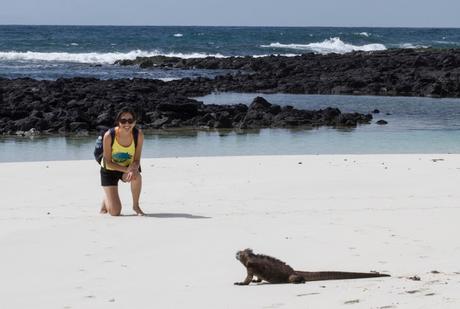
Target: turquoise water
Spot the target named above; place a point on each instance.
(415, 125)
(263, 142)
(402, 113)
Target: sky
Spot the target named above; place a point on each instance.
(340, 13)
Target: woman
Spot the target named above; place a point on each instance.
(121, 160)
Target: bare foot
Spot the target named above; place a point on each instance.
(138, 211)
(103, 208)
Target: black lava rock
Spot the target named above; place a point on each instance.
(80, 105)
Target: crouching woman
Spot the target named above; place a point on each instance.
(122, 146)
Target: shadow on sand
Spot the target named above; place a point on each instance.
(171, 215)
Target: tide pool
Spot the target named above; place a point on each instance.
(415, 125)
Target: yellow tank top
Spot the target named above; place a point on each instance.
(120, 154)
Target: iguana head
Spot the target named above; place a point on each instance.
(244, 255)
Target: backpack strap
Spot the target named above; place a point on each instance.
(112, 135)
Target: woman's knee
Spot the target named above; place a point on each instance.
(115, 212)
(112, 201)
(138, 178)
(114, 208)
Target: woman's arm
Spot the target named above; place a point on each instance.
(133, 168)
(107, 141)
(137, 155)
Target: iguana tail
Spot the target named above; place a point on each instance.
(336, 275)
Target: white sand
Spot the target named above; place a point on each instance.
(397, 214)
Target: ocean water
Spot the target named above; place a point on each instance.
(416, 125)
(50, 52)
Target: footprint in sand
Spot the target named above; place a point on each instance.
(413, 291)
(353, 301)
(307, 294)
(275, 305)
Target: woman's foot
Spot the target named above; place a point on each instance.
(138, 210)
(103, 208)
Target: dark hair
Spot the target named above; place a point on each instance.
(122, 111)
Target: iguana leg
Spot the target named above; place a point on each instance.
(248, 278)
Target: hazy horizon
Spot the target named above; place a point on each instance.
(229, 26)
(238, 13)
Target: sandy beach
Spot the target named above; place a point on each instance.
(396, 214)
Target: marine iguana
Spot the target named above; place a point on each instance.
(272, 270)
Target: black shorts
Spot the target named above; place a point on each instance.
(111, 178)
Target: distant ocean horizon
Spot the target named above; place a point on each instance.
(51, 52)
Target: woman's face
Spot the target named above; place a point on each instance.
(126, 121)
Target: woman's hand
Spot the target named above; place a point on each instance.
(133, 167)
(132, 172)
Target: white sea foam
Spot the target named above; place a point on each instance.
(447, 42)
(99, 58)
(178, 35)
(74, 44)
(409, 46)
(332, 45)
(266, 55)
(168, 79)
(366, 34)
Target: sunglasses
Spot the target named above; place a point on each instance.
(124, 120)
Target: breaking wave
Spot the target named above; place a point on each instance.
(93, 57)
(410, 45)
(366, 34)
(332, 45)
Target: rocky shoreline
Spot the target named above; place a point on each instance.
(394, 72)
(82, 105)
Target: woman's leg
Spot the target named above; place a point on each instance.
(112, 200)
(136, 187)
